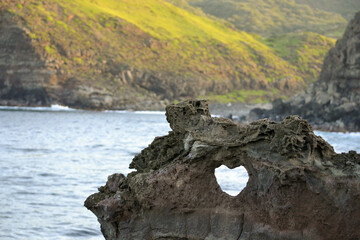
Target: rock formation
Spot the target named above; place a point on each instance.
(333, 102)
(298, 187)
(22, 71)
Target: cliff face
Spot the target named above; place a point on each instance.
(298, 187)
(333, 102)
(22, 71)
(31, 75)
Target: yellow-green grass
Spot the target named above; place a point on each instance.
(95, 40)
(165, 21)
(273, 17)
(195, 38)
(245, 96)
(305, 50)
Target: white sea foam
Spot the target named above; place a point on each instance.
(55, 108)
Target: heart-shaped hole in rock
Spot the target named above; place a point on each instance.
(231, 181)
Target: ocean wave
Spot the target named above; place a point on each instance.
(54, 108)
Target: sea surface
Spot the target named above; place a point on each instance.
(52, 159)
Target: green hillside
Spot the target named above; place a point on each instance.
(347, 8)
(163, 50)
(273, 17)
(304, 50)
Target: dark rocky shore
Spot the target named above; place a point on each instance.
(298, 187)
(333, 102)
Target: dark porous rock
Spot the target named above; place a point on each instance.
(298, 187)
(333, 102)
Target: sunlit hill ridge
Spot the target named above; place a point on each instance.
(121, 54)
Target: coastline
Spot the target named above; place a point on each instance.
(241, 113)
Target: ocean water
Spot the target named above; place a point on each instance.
(52, 159)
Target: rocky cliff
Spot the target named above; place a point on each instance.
(22, 71)
(32, 73)
(333, 102)
(298, 187)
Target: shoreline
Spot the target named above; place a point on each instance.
(238, 112)
(237, 109)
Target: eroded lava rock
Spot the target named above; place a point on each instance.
(298, 187)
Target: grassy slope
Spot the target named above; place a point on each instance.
(304, 50)
(347, 8)
(95, 40)
(273, 17)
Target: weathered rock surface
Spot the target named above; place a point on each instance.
(333, 102)
(298, 187)
(22, 71)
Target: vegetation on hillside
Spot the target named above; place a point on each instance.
(273, 17)
(305, 50)
(95, 41)
(347, 8)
